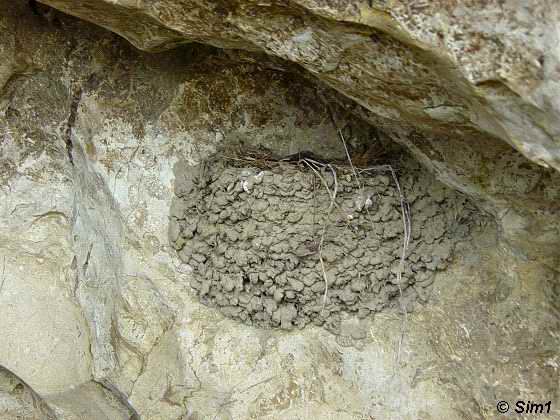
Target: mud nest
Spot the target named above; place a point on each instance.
(265, 242)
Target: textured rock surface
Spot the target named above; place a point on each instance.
(19, 401)
(91, 400)
(491, 66)
(299, 243)
(90, 131)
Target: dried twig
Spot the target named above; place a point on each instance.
(407, 233)
(350, 160)
(405, 213)
(323, 233)
(310, 163)
(3, 275)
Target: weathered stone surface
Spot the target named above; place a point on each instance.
(90, 131)
(19, 401)
(441, 66)
(92, 400)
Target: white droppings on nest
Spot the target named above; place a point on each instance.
(245, 184)
(363, 202)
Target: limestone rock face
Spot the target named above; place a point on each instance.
(490, 66)
(18, 400)
(97, 316)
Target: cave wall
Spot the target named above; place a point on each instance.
(96, 308)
